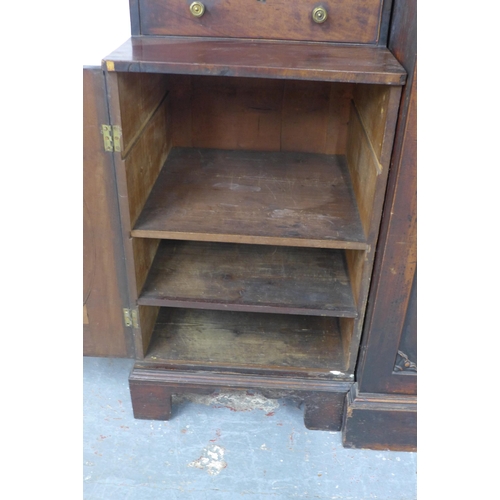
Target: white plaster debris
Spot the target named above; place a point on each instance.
(236, 401)
(211, 460)
(236, 187)
(283, 213)
(335, 372)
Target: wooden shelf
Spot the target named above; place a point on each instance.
(272, 198)
(235, 339)
(253, 278)
(257, 58)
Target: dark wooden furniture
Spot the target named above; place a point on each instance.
(382, 406)
(250, 174)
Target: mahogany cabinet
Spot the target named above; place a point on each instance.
(382, 405)
(246, 155)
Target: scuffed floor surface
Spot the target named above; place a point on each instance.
(223, 448)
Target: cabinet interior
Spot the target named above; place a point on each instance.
(252, 221)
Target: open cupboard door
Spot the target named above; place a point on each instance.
(105, 296)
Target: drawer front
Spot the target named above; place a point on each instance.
(350, 21)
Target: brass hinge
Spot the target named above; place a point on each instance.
(130, 317)
(112, 138)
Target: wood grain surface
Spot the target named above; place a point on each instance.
(260, 114)
(390, 319)
(104, 282)
(355, 21)
(257, 58)
(291, 199)
(140, 95)
(146, 158)
(246, 339)
(254, 278)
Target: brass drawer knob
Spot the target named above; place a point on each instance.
(319, 15)
(197, 9)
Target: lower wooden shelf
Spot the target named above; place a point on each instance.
(253, 278)
(237, 340)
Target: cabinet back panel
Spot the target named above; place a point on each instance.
(236, 114)
(260, 114)
(306, 110)
(338, 119)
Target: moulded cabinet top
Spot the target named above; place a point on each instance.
(257, 58)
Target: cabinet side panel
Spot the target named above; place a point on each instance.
(390, 319)
(144, 252)
(148, 143)
(372, 103)
(363, 168)
(147, 319)
(347, 327)
(395, 269)
(146, 159)
(355, 260)
(104, 282)
(140, 96)
(371, 133)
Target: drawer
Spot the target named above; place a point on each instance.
(349, 21)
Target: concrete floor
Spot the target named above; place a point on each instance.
(222, 449)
